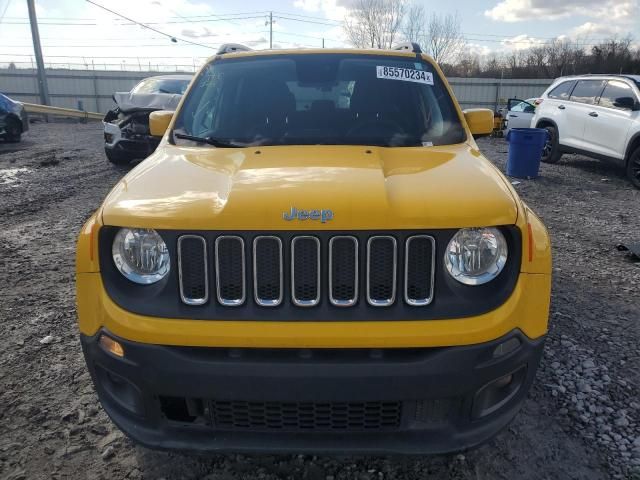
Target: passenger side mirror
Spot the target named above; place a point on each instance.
(159, 122)
(626, 102)
(479, 120)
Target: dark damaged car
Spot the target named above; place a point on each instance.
(126, 127)
(13, 119)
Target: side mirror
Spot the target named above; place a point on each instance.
(159, 122)
(479, 120)
(625, 102)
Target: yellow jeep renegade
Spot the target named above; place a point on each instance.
(317, 258)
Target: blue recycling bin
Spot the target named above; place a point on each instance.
(525, 151)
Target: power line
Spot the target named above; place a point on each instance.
(308, 16)
(133, 22)
(303, 21)
(6, 7)
(173, 39)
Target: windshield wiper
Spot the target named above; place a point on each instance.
(208, 140)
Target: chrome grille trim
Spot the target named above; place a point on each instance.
(419, 302)
(354, 300)
(390, 301)
(186, 300)
(296, 301)
(230, 302)
(260, 301)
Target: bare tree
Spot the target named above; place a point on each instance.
(374, 23)
(415, 24)
(445, 40)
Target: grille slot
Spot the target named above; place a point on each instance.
(305, 271)
(382, 266)
(343, 271)
(230, 270)
(420, 256)
(332, 416)
(193, 276)
(267, 271)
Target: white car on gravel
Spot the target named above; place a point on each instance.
(595, 115)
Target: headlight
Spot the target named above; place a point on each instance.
(141, 255)
(476, 256)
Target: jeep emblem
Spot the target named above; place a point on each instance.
(295, 214)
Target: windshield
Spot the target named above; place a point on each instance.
(161, 85)
(308, 99)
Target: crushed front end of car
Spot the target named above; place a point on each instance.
(126, 127)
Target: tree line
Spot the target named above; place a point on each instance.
(384, 23)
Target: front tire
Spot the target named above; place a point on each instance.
(633, 168)
(551, 151)
(13, 130)
(116, 157)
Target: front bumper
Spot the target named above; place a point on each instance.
(313, 400)
(139, 147)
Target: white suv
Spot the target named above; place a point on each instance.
(596, 115)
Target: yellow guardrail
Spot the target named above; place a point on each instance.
(63, 112)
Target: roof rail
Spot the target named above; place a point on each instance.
(232, 48)
(411, 46)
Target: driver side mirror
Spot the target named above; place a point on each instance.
(479, 120)
(159, 122)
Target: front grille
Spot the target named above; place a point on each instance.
(306, 271)
(267, 271)
(230, 270)
(343, 268)
(382, 266)
(193, 269)
(419, 256)
(340, 416)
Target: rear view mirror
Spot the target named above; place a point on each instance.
(625, 102)
(159, 122)
(479, 120)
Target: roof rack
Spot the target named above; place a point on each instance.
(410, 46)
(232, 48)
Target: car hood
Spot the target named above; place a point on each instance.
(364, 187)
(131, 102)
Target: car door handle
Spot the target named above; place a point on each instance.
(593, 114)
(513, 116)
(561, 107)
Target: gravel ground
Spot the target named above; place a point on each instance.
(581, 420)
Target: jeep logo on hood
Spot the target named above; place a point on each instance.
(295, 214)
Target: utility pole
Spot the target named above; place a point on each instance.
(323, 43)
(270, 30)
(37, 48)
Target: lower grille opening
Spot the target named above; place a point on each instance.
(328, 416)
(185, 410)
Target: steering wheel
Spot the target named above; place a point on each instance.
(373, 127)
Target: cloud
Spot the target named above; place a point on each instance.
(331, 9)
(589, 29)
(538, 10)
(521, 42)
(475, 49)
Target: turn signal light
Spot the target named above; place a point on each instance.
(110, 345)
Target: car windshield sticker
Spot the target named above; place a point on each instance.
(405, 74)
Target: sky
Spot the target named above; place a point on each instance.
(78, 34)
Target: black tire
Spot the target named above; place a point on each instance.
(116, 157)
(551, 151)
(633, 168)
(13, 130)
